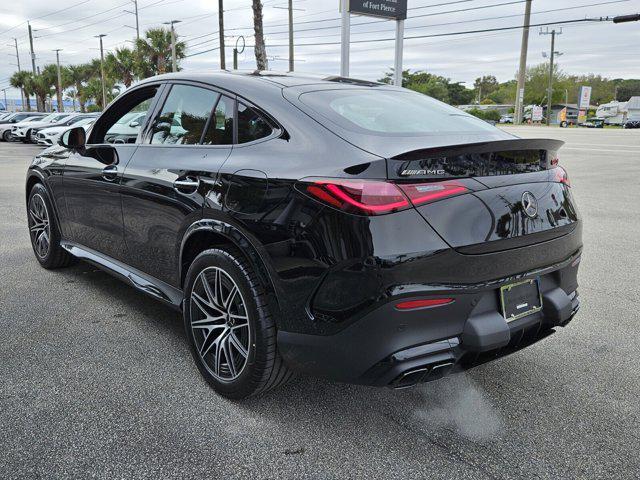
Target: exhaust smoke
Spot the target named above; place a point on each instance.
(457, 403)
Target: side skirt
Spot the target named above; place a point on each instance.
(141, 281)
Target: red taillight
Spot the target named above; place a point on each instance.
(416, 304)
(368, 197)
(377, 197)
(421, 193)
(562, 176)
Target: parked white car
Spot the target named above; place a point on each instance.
(22, 130)
(12, 120)
(50, 136)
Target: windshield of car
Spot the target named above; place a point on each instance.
(59, 118)
(48, 118)
(391, 112)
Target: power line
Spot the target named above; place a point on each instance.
(432, 35)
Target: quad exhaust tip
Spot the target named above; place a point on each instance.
(420, 375)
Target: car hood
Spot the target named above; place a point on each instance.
(54, 129)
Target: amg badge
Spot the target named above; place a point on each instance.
(406, 173)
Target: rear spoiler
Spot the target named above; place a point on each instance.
(499, 157)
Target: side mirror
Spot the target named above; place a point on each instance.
(134, 124)
(74, 138)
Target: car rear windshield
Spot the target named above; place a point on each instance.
(386, 112)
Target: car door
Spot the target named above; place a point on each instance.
(92, 176)
(169, 176)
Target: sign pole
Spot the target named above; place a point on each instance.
(345, 39)
(397, 69)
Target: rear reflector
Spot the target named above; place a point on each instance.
(416, 304)
(378, 197)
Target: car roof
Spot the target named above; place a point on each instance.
(234, 80)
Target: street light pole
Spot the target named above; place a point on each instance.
(522, 70)
(104, 89)
(59, 89)
(15, 41)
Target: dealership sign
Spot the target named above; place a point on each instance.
(395, 9)
(389, 9)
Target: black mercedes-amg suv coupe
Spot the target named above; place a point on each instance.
(325, 225)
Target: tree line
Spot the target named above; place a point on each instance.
(488, 91)
(150, 55)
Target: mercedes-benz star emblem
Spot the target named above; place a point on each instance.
(529, 205)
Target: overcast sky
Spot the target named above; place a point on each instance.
(605, 48)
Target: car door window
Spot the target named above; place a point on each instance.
(184, 116)
(122, 122)
(251, 125)
(220, 128)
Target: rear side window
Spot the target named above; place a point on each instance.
(385, 112)
(251, 125)
(220, 128)
(184, 116)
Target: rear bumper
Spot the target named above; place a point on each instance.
(401, 348)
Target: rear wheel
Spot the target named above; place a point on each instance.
(44, 231)
(229, 323)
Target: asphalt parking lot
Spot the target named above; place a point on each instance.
(97, 380)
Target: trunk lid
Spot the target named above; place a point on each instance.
(514, 196)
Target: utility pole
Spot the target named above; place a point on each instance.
(522, 70)
(4, 90)
(59, 89)
(174, 60)
(291, 35)
(553, 34)
(15, 42)
(135, 4)
(223, 63)
(104, 89)
(33, 55)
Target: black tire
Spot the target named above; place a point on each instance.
(6, 136)
(55, 256)
(27, 136)
(263, 368)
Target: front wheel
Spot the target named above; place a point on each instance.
(229, 322)
(6, 136)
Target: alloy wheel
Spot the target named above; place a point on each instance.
(39, 225)
(220, 324)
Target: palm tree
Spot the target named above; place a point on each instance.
(20, 80)
(121, 65)
(153, 52)
(78, 75)
(50, 74)
(42, 88)
(259, 49)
